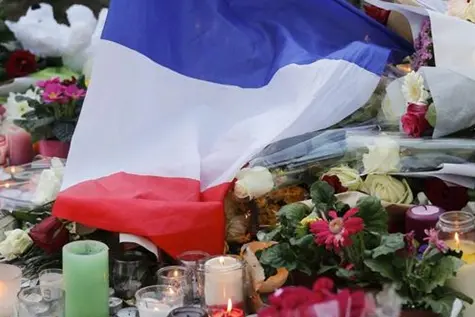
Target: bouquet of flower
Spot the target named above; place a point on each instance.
(52, 110)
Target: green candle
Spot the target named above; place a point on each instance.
(86, 279)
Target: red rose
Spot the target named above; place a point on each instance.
(334, 182)
(20, 63)
(376, 13)
(50, 235)
(449, 198)
(414, 122)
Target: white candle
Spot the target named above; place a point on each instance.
(463, 282)
(10, 284)
(149, 307)
(223, 281)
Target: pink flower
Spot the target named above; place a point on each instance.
(414, 122)
(53, 93)
(74, 92)
(336, 233)
(44, 83)
(434, 241)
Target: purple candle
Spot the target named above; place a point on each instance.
(419, 218)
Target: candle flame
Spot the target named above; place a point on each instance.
(12, 170)
(230, 306)
(221, 260)
(457, 241)
(175, 273)
(7, 185)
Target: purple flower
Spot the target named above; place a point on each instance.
(53, 93)
(74, 92)
(424, 47)
(434, 241)
(44, 83)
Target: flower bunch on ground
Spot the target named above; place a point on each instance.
(55, 113)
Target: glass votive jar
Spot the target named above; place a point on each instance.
(10, 284)
(158, 300)
(179, 277)
(457, 229)
(51, 280)
(191, 260)
(129, 273)
(222, 283)
(37, 302)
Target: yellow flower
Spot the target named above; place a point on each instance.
(309, 219)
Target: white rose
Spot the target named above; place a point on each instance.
(349, 177)
(382, 157)
(388, 188)
(253, 182)
(17, 241)
(413, 88)
(47, 188)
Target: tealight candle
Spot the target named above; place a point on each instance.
(228, 312)
(10, 284)
(223, 280)
(420, 218)
(158, 300)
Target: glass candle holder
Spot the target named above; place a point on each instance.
(179, 277)
(222, 283)
(191, 260)
(158, 300)
(51, 280)
(129, 273)
(10, 284)
(457, 229)
(86, 278)
(38, 302)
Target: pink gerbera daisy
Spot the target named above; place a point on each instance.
(336, 233)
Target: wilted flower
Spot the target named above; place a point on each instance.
(336, 233)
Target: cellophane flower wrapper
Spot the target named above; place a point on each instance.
(452, 98)
(416, 154)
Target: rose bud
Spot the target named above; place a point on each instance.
(50, 235)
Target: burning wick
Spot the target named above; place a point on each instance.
(230, 306)
(221, 260)
(175, 273)
(457, 241)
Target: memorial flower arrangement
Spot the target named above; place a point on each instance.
(54, 114)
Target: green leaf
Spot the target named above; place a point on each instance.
(292, 214)
(383, 267)
(326, 269)
(323, 195)
(303, 242)
(442, 271)
(279, 255)
(373, 214)
(441, 306)
(63, 131)
(389, 244)
(270, 236)
(431, 115)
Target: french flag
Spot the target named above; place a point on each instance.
(186, 92)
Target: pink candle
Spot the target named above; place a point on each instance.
(20, 148)
(419, 218)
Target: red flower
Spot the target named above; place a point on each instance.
(334, 182)
(20, 63)
(449, 198)
(336, 233)
(50, 235)
(324, 284)
(414, 122)
(376, 13)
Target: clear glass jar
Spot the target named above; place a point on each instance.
(456, 225)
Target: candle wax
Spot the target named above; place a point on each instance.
(467, 247)
(223, 281)
(463, 282)
(235, 312)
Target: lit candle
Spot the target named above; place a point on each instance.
(463, 281)
(149, 307)
(223, 281)
(158, 300)
(420, 218)
(228, 312)
(10, 284)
